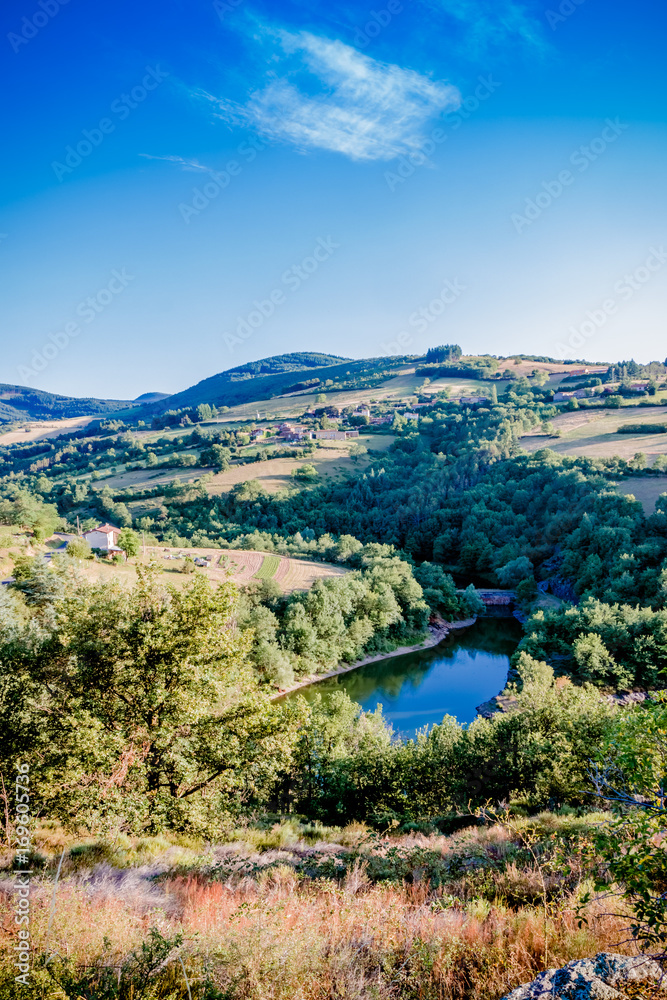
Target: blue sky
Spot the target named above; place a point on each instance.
(191, 185)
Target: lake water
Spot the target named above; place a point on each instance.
(418, 689)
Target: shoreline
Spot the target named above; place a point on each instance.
(435, 637)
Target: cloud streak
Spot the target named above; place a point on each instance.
(326, 95)
(193, 165)
(492, 23)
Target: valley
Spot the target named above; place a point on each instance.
(225, 626)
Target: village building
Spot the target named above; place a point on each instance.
(103, 537)
(334, 435)
(293, 432)
(560, 397)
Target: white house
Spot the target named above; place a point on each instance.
(104, 536)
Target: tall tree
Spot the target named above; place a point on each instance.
(149, 714)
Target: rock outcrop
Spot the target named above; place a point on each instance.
(590, 979)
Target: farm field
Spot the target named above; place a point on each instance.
(646, 490)
(593, 433)
(42, 429)
(142, 479)
(236, 565)
(273, 474)
(276, 474)
(525, 368)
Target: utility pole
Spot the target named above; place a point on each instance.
(78, 526)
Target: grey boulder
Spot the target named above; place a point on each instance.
(589, 979)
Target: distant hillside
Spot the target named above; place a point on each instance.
(272, 377)
(151, 397)
(18, 402)
(284, 363)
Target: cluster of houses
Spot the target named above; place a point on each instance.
(297, 432)
(560, 397)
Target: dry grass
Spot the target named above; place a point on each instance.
(593, 433)
(236, 565)
(275, 474)
(279, 938)
(147, 479)
(39, 430)
(646, 490)
(262, 928)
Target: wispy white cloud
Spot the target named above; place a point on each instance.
(193, 165)
(324, 94)
(493, 23)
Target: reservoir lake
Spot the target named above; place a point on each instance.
(418, 689)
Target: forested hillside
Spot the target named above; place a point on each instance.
(261, 380)
(18, 402)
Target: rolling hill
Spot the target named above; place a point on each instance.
(272, 377)
(151, 397)
(19, 402)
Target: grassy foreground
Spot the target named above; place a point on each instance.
(302, 912)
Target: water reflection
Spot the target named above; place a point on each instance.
(418, 689)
